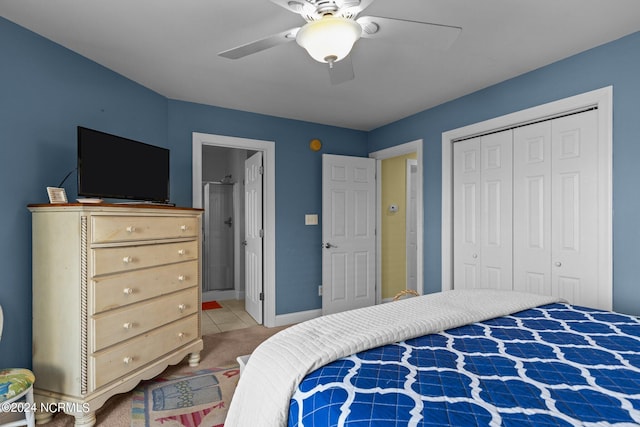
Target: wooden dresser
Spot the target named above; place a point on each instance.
(116, 299)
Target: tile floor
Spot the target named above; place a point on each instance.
(230, 317)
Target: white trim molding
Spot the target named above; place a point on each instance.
(297, 317)
(269, 206)
(602, 99)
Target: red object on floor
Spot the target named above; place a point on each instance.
(210, 305)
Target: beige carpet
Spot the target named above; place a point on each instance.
(220, 350)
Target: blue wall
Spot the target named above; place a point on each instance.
(617, 64)
(47, 90)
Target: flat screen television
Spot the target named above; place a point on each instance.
(113, 167)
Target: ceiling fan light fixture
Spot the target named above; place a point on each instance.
(329, 39)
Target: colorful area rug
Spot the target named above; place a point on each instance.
(200, 399)
(210, 305)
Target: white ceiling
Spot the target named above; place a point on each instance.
(171, 46)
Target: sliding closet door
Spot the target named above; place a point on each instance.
(574, 198)
(483, 212)
(532, 208)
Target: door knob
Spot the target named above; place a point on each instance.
(558, 264)
(328, 245)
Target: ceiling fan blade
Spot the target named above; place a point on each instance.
(342, 71)
(260, 45)
(404, 31)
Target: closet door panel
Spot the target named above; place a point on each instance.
(526, 210)
(574, 216)
(496, 212)
(532, 208)
(466, 214)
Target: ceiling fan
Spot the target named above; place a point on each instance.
(332, 28)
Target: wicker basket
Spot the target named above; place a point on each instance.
(405, 292)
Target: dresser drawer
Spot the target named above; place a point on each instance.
(115, 260)
(107, 229)
(115, 362)
(117, 290)
(112, 327)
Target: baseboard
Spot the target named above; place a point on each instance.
(297, 317)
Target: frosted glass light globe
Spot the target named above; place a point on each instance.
(329, 39)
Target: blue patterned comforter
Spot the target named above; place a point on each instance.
(554, 365)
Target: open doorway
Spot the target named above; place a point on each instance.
(218, 181)
(223, 223)
(399, 219)
(398, 225)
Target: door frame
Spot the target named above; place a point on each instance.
(387, 153)
(268, 149)
(600, 98)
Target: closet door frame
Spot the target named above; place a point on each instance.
(602, 99)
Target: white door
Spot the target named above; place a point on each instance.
(555, 183)
(466, 214)
(482, 212)
(412, 225)
(253, 236)
(532, 205)
(528, 220)
(348, 233)
(574, 217)
(496, 211)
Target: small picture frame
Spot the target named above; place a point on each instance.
(57, 195)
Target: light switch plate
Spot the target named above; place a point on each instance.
(311, 219)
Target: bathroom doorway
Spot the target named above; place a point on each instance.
(257, 285)
(223, 222)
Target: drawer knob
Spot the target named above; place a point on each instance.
(181, 278)
(127, 291)
(181, 335)
(182, 307)
(130, 229)
(126, 360)
(128, 325)
(181, 252)
(127, 259)
(184, 227)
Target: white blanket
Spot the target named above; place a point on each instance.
(278, 365)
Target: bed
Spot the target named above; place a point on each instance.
(461, 358)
